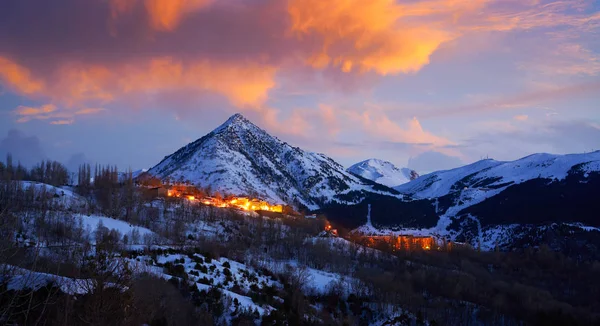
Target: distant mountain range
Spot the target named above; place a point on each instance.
(541, 198)
(240, 158)
(383, 172)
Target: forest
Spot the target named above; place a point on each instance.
(106, 253)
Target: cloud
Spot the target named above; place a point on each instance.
(566, 59)
(24, 149)
(522, 117)
(346, 132)
(164, 15)
(19, 78)
(74, 86)
(233, 49)
(431, 161)
(26, 113)
(51, 113)
(329, 118)
(114, 53)
(519, 100)
(525, 15)
(558, 137)
(89, 111)
(376, 123)
(364, 36)
(62, 122)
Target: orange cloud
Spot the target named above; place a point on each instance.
(52, 113)
(365, 35)
(76, 83)
(19, 77)
(237, 50)
(245, 84)
(43, 112)
(29, 111)
(164, 15)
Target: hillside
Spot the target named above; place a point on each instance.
(142, 259)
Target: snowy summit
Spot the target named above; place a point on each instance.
(240, 158)
(383, 172)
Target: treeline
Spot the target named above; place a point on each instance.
(114, 193)
(50, 172)
(25, 189)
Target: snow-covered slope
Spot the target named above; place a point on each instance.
(493, 175)
(440, 183)
(240, 158)
(93, 221)
(383, 172)
(63, 196)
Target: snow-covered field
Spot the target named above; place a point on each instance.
(22, 279)
(61, 195)
(91, 222)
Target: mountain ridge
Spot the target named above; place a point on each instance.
(489, 173)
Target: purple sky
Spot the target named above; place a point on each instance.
(426, 84)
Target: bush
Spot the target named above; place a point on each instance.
(201, 268)
(176, 270)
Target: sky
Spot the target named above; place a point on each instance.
(431, 84)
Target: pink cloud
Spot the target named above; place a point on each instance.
(519, 100)
(522, 117)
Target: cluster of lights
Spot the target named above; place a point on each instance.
(424, 243)
(241, 203)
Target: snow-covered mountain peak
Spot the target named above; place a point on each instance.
(235, 123)
(239, 158)
(383, 172)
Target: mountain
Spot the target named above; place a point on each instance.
(240, 158)
(539, 188)
(494, 176)
(541, 198)
(383, 172)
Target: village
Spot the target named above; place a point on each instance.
(394, 242)
(195, 195)
(407, 242)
